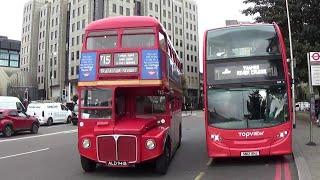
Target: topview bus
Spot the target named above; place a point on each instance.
(247, 92)
(130, 94)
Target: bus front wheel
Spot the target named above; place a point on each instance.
(162, 163)
(87, 164)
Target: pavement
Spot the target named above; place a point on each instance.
(307, 158)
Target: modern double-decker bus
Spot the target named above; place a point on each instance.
(247, 92)
(130, 94)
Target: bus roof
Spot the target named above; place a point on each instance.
(241, 25)
(123, 22)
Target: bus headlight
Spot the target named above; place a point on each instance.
(150, 144)
(216, 137)
(282, 134)
(85, 143)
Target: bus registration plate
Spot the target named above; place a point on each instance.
(117, 164)
(250, 153)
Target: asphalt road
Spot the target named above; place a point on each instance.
(52, 155)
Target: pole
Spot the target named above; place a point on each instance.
(310, 143)
(292, 69)
(69, 92)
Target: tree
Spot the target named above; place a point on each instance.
(305, 26)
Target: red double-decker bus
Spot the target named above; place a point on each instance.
(247, 92)
(130, 94)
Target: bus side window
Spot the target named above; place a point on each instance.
(162, 42)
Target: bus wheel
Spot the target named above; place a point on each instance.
(50, 122)
(162, 163)
(87, 164)
(180, 136)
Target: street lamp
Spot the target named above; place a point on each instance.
(292, 68)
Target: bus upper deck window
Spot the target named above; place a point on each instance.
(102, 40)
(138, 38)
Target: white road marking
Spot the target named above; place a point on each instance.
(199, 177)
(30, 152)
(37, 136)
(209, 162)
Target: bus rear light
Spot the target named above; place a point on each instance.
(216, 137)
(282, 134)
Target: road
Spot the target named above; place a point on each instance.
(52, 155)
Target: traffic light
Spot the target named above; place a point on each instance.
(64, 93)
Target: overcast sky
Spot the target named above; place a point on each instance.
(212, 14)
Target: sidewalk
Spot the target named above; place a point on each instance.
(307, 158)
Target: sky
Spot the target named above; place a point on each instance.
(212, 14)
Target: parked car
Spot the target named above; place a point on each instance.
(10, 102)
(12, 121)
(49, 113)
(302, 106)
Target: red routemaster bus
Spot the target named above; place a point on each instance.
(247, 92)
(130, 94)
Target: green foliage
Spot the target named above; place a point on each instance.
(305, 26)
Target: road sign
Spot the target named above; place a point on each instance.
(315, 75)
(315, 57)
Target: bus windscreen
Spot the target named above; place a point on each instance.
(242, 41)
(247, 107)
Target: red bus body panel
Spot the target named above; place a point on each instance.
(232, 144)
(131, 131)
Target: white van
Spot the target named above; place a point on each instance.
(10, 102)
(49, 113)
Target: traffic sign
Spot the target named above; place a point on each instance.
(315, 57)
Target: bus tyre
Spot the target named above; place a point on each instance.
(50, 122)
(8, 131)
(162, 163)
(180, 136)
(34, 128)
(68, 120)
(87, 164)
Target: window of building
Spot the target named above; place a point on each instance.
(83, 9)
(191, 57)
(72, 42)
(169, 14)
(121, 10)
(78, 54)
(127, 12)
(72, 56)
(78, 25)
(55, 60)
(56, 21)
(191, 68)
(156, 8)
(79, 11)
(72, 71)
(188, 68)
(77, 69)
(78, 40)
(73, 13)
(195, 69)
(54, 74)
(150, 6)
(114, 8)
(164, 13)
